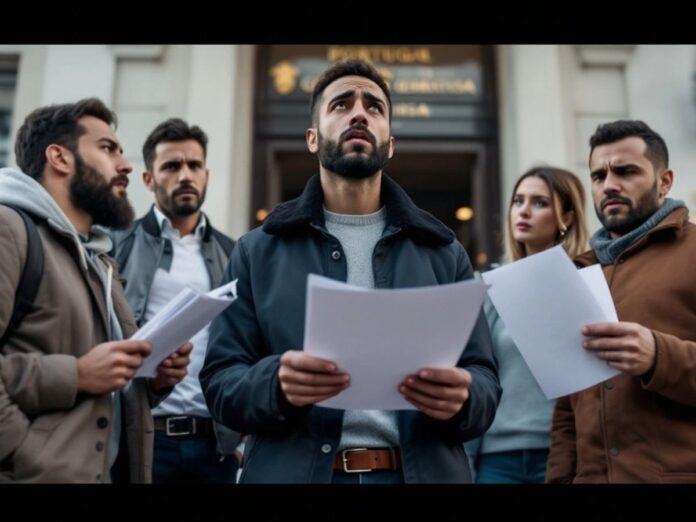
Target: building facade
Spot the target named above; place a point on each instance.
(468, 120)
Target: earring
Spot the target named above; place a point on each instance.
(563, 231)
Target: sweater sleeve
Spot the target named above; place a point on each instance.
(674, 374)
(239, 377)
(478, 411)
(39, 383)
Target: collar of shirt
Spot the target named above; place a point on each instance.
(169, 231)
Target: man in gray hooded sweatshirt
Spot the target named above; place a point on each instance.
(70, 410)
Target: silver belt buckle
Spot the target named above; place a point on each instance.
(171, 433)
(344, 458)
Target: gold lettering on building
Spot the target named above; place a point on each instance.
(284, 77)
(380, 53)
(307, 83)
(386, 73)
(411, 110)
(432, 86)
(423, 81)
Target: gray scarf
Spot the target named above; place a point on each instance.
(608, 250)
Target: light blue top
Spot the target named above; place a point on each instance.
(523, 418)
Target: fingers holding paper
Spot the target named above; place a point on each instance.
(305, 379)
(628, 347)
(110, 366)
(439, 393)
(173, 369)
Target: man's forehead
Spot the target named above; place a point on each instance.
(170, 150)
(96, 128)
(350, 83)
(626, 150)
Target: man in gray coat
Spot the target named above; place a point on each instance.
(70, 409)
(174, 246)
(354, 224)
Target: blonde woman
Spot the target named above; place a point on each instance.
(547, 208)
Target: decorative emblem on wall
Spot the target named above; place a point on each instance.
(284, 77)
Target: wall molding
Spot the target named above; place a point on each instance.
(138, 52)
(604, 55)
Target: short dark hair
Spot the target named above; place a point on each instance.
(55, 125)
(174, 129)
(655, 146)
(343, 68)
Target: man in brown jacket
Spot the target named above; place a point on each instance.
(70, 410)
(639, 426)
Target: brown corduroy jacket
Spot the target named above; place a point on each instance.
(638, 429)
(48, 431)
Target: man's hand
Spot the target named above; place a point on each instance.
(109, 366)
(172, 370)
(437, 393)
(628, 347)
(305, 379)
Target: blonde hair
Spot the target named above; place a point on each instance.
(567, 194)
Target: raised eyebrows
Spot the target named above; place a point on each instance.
(345, 95)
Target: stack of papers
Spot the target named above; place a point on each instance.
(381, 336)
(183, 317)
(544, 302)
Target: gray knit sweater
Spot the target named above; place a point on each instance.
(358, 236)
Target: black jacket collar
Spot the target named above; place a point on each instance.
(151, 226)
(297, 214)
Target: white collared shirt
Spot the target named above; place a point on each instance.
(187, 271)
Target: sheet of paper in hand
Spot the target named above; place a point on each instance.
(183, 317)
(544, 302)
(380, 336)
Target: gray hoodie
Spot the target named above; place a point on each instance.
(25, 192)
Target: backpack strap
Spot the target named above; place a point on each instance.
(32, 274)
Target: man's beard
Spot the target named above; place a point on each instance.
(89, 191)
(645, 207)
(351, 165)
(169, 206)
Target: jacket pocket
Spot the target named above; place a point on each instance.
(249, 451)
(226, 439)
(678, 478)
(28, 459)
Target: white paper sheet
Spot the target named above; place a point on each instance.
(544, 302)
(381, 336)
(182, 318)
(597, 283)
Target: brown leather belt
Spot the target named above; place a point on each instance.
(184, 426)
(363, 460)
